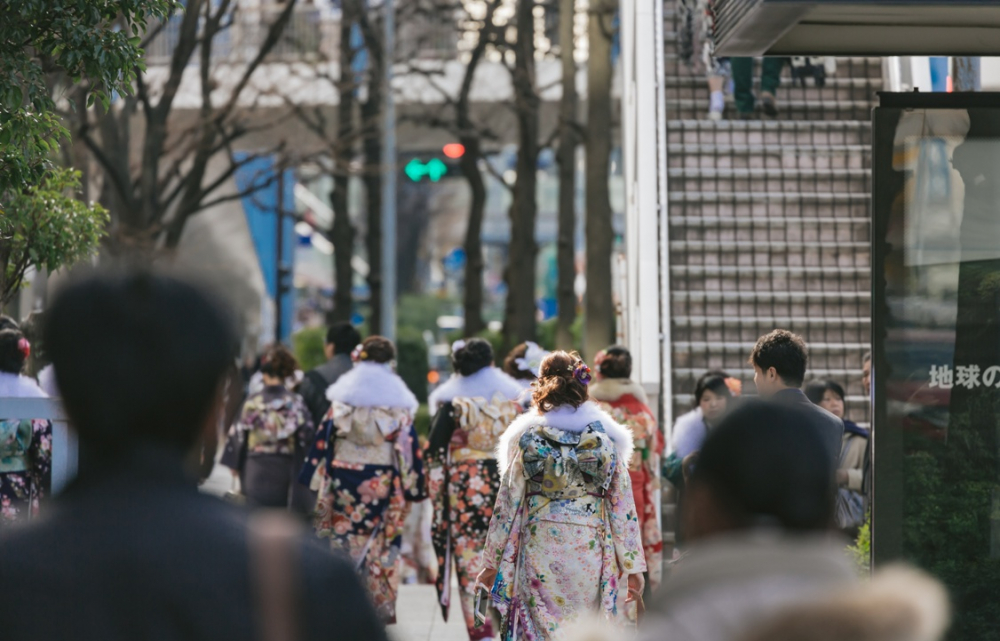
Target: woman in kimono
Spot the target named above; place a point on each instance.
(25, 444)
(565, 533)
(267, 445)
(366, 465)
(626, 402)
(522, 365)
(475, 406)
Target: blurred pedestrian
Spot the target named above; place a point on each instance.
(475, 406)
(132, 550)
(713, 394)
(770, 80)
(625, 401)
(522, 365)
(341, 339)
(696, 46)
(25, 444)
(564, 531)
(779, 362)
(266, 447)
(367, 467)
(850, 472)
(757, 518)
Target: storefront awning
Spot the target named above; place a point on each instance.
(853, 27)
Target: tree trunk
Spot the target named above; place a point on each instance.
(342, 233)
(599, 328)
(371, 121)
(519, 324)
(566, 157)
(474, 263)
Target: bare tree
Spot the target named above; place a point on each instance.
(599, 308)
(520, 322)
(566, 157)
(151, 200)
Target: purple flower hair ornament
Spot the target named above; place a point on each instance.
(582, 373)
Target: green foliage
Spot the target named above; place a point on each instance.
(547, 335)
(411, 361)
(420, 311)
(307, 344)
(46, 227)
(96, 42)
(422, 421)
(861, 549)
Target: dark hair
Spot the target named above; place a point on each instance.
(138, 357)
(476, 354)
(377, 349)
(815, 390)
(278, 361)
(714, 381)
(6, 322)
(344, 338)
(32, 328)
(557, 386)
(762, 467)
(866, 358)
(785, 352)
(510, 364)
(11, 357)
(617, 363)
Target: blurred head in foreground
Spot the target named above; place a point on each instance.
(759, 468)
(139, 358)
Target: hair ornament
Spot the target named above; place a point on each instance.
(582, 373)
(532, 359)
(24, 347)
(359, 354)
(458, 346)
(735, 386)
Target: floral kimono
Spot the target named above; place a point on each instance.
(25, 455)
(626, 402)
(267, 445)
(463, 480)
(564, 533)
(366, 466)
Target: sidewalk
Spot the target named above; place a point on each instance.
(420, 619)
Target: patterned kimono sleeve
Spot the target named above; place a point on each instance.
(40, 453)
(316, 469)
(504, 523)
(410, 460)
(305, 435)
(625, 529)
(234, 454)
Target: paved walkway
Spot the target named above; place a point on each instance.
(420, 618)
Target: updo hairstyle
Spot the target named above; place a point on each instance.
(557, 386)
(473, 356)
(714, 381)
(12, 357)
(377, 349)
(278, 362)
(510, 364)
(616, 363)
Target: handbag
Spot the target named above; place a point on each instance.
(850, 509)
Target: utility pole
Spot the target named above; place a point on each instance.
(388, 328)
(282, 270)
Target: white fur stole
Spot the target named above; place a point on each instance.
(372, 385)
(483, 384)
(568, 420)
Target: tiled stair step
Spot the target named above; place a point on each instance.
(747, 179)
(847, 376)
(853, 67)
(768, 297)
(770, 132)
(683, 271)
(749, 246)
(746, 346)
(766, 205)
(839, 109)
(859, 400)
(743, 221)
(835, 89)
(753, 196)
(723, 156)
(751, 327)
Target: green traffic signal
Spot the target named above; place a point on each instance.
(434, 169)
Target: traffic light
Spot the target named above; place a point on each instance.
(433, 169)
(435, 165)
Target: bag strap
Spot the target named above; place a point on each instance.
(272, 543)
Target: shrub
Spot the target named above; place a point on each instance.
(411, 361)
(307, 345)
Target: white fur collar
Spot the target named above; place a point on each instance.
(16, 386)
(372, 385)
(610, 390)
(484, 384)
(568, 420)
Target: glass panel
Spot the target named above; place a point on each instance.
(937, 358)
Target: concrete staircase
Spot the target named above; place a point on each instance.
(769, 227)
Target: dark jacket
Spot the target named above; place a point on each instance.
(829, 427)
(136, 552)
(313, 386)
